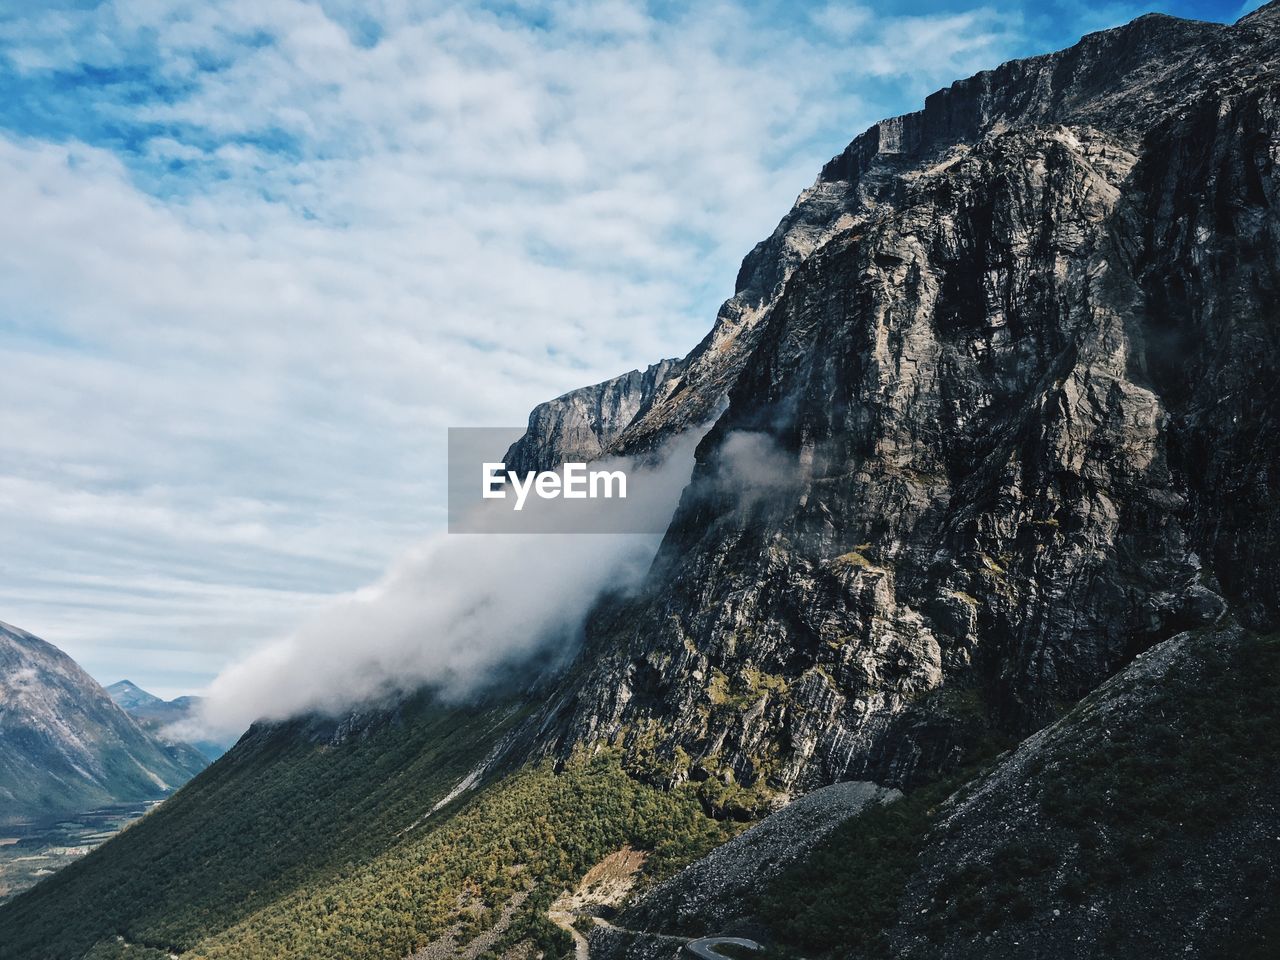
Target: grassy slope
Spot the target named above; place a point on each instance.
(267, 817)
(535, 833)
(293, 847)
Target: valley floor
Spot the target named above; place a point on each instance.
(31, 852)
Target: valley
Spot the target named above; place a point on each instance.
(28, 853)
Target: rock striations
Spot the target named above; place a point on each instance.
(994, 411)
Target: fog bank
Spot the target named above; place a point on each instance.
(449, 615)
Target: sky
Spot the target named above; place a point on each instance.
(258, 255)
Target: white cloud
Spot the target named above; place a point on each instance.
(455, 611)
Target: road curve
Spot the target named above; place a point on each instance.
(705, 948)
(564, 920)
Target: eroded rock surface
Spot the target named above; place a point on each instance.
(994, 411)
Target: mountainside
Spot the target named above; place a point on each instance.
(984, 521)
(65, 747)
(1144, 823)
(584, 424)
(159, 716)
(1010, 425)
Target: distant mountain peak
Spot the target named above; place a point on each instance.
(129, 695)
(160, 717)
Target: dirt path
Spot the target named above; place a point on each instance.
(605, 884)
(564, 921)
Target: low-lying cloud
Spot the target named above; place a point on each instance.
(454, 615)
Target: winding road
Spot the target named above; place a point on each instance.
(705, 948)
(564, 921)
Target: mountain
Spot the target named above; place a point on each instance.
(983, 529)
(1011, 418)
(65, 747)
(1143, 823)
(584, 424)
(131, 698)
(159, 716)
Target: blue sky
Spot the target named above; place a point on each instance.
(259, 254)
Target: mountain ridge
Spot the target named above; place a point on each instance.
(970, 377)
(66, 747)
(128, 694)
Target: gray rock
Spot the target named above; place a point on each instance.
(708, 896)
(583, 424)
(994, 412)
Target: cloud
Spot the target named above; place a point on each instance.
(755, 465)
(454, 614)
(258, 255)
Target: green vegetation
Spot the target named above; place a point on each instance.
(743, 691)
(965, 705)
(724, 798)
(718, 689)
(1143, 781)
(535, 833)
(854, 558)
(991, 565)
(846, 893)
(42, 849)
(269, 816)
(646, 758)
(302, 848)
(117, 949)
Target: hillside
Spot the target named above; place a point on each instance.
(1143, 823)
(368, 828)
(985, 515)
(65, 747)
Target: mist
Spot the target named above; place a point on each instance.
(454, 615)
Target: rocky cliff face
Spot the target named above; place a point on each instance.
(583, 424)
(995, 411)
(65, 747)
